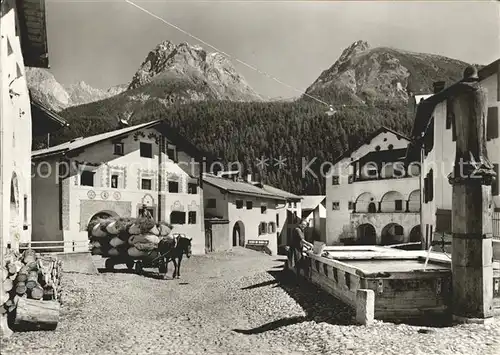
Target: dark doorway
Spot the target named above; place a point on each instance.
(238, 234)
(367, 234)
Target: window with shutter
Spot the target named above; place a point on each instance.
(449, 114)
(426, 183)
(492, 123)
(192, 217)
(495, 187)
(429, 137)
(431, 185)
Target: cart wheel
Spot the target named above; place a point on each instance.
(138, 267)
(109, 264)
(130, 265)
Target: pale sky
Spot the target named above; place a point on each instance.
(104, 42)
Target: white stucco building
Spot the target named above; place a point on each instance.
(314, 212)
(23, 42)
(241, 212)
(114, 174)
(434, 144)
(372, 196)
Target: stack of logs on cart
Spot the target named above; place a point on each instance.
(30, 293)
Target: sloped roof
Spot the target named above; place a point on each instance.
(368, 139)
(383, 156)
(85, 142)
(239, 187)
(310, 202)
(33, 32)
(489, 70)
(53, 116)
(282, 193)
(81, 143)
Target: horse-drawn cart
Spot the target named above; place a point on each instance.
(154, 260)
(138, 243)
(157, 258)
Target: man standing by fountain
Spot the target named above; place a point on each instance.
(297, 244)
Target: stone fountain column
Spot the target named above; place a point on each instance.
(472, 255)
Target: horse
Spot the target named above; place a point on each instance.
(174, 251)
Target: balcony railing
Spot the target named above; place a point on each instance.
(399, 206)
(357, 178)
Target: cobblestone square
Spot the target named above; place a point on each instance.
(228, 303)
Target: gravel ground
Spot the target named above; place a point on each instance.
(228, 303)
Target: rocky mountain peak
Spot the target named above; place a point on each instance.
(362, 74)
(355, 48)
(193, 65)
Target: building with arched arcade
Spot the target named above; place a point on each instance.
(372, 195)
(116, 174)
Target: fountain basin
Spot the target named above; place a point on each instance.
(404, 288)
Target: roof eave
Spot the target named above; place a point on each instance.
(48, 112)
(489, 70)
(272, 197)
(60, 152)
(82, 147)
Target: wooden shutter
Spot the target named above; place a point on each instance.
(492, 124)
(495, 185)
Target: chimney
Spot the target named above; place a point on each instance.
(438, 86)
(249, 177)
(122, 123)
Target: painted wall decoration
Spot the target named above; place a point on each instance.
(139, 134)
(117, 195)
(154, 136)
(177, 206)
(148, 200)
(193, 206)
(104, 195)
(91, 194)
(173, 176)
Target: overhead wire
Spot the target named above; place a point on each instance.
(252, 67)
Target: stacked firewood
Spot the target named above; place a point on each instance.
(29, 282)
(126, 237)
